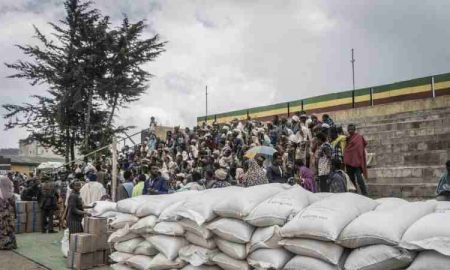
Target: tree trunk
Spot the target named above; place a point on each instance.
(111, 116)
(67, 152)
(72, 146)
(88, 120)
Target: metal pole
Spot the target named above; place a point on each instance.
(206, 107)
(432, 87)
(114, 169)
(371, 96)
(353, 77)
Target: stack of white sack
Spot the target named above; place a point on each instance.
(277, 226)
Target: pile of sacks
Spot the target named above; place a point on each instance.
(277, 226)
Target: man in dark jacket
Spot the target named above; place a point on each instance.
(155, 184)
(275, 172)
(47, 200)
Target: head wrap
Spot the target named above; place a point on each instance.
(221, 174)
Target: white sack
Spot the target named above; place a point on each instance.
(168, 245)
(389, 203)
(309, 263)
(121, 235)
(325, 251)
(169, 228)
(200, 208)
(171, 212)
(239, 203)
(442, 206)
(199, 241)
(120, 257)
(234, 250)
(227, 263)
(203, 267)
(131, 205)
(140, 262)
(193, 227)
(110, 214)
(231, 229)
(430, 260)
(325, 219)
(121, 220)
(196, 255)
(431, 232)
(120, 266)
(269, 258)
(378, 257)
(65, 243)
(102, 207)
(156, 204)
(144, 225)
(161, 262)
(383, 226)
(267, 237)
(280, 208)
(145, 248)
(128, 246)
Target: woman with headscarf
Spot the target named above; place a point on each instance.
(7, 213)
(255, 175)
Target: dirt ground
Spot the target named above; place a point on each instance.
(10, 260)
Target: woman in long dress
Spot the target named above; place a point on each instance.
(7, 214)
(75, 210)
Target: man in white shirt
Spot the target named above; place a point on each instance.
(92, 191)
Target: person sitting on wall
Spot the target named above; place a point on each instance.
(443, 189)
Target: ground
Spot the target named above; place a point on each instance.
(36, 251)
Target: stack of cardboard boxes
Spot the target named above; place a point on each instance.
(89, 249)
(28, 217)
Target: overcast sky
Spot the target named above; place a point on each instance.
(249, 53)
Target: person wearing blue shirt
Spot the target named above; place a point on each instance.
(155, 184)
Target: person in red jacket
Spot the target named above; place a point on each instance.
(355, 158)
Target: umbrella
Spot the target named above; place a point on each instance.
(263, 150)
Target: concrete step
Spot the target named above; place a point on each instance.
(406, 125)
(433, 157)
(422, 171)
(409, 144)
(392, 134)
(403, 190)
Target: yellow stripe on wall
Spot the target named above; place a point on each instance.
(403, 91)
(441, 85)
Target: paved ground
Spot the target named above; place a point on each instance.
(36, 251)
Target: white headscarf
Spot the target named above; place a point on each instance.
(6, 188)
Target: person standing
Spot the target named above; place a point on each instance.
(75, 210)
(337, 179)
(47, 200)
(306, 176)
(355, 158)
(139, 187)
(7, 213)
(324, 162)
(125, 190)
(92, 191)
(155, 184)
(275, 173)
(443, 188)
(255, 175)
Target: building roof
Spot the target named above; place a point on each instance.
(23, 160)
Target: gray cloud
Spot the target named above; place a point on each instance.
(252, 53)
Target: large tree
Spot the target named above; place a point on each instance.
(90, 70)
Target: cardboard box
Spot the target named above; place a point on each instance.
(33, 207)
(82, 243)
(101, 241)
(21, 217)
(20, 227)
(34, 222)
(21, 207)
(95, 225)
(100, 258)
(80, 261)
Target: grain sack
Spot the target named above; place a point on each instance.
(228, 263)
(121, 220)
(232, 229)
(383, 226)
(203, 267)
(145, 248)
(442, 206)
(193, 227)
(171, 212)
(269, 258)
(431, 232)
(325, 219)
(389, 203)
(239, 203)
(128, 246)
(102, 207)
(120, 257)
(169, 228)
(430, 260)
(196, 255)
(109, 214)
(200, 208)
(120, 266)
(265, 238)
(161, 262)
(156, 204)
(199, 241)
(168, 245)
(309, 263)
(131, 205)
(234, 250)
(325, 251)
(121, 235)
(379, 257)
(140, 262)
(323, 195)
(144, 225)
(278, 209)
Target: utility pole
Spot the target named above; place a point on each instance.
(114, 169)
(353, 77)
(206, 107)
